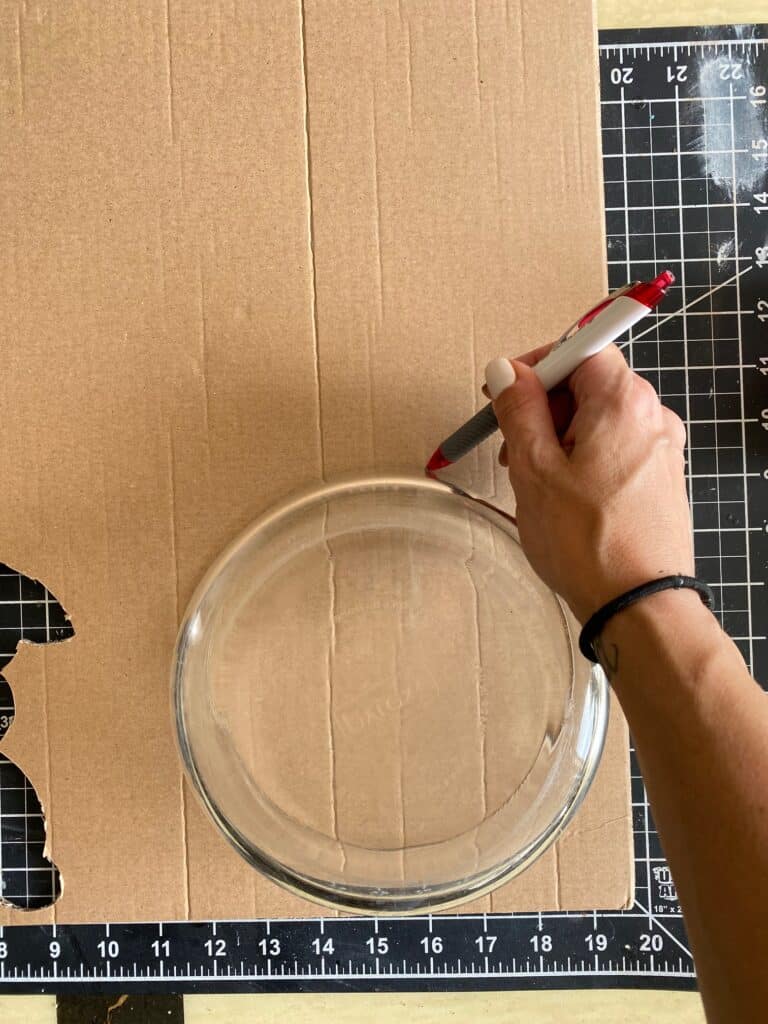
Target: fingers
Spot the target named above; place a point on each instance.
(674, 427)
(601, 377)
(597, 375)
(561, 408)
(529, 358)
(522, 409)
(560, 398)
(597, 392)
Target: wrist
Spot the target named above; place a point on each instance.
(606, 588)
(675, 581)
(672, 621)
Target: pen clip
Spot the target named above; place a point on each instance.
(592, 313)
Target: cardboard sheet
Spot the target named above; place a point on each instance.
(246, 246)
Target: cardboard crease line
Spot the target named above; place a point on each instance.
(20, 62)
(400, 731)
(481, 719)
(377, 204)
(169, 67)
(575, 833)
(174, 526)
(330, 660)
(476, 43)
(556, 863)
(409, 73)
(185, 859)
(204, 357)
(311, 235)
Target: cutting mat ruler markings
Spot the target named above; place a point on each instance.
(685, 135)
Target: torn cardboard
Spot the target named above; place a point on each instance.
(246, 246)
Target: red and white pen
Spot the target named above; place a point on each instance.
(599, 327)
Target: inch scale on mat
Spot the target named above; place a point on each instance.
(685, 133)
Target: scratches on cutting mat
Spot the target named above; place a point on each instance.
(617, 246)
(732, 174)
(724, 251)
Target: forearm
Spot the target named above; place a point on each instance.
(700, 726)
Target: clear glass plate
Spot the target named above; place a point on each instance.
(379, 703)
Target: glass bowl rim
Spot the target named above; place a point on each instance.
(366, 899)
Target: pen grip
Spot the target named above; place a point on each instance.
(470, 434)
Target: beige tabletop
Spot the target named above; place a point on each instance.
(567, 1007)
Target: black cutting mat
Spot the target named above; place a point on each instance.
(686, 172)
(28, 612)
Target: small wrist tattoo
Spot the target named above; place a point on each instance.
(607, 656)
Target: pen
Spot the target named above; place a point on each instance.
(599, 327)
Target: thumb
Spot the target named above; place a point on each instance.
(522, 409)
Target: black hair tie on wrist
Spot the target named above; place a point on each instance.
(593, 627)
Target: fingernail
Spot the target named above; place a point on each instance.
(499, 375)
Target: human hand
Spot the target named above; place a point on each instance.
(597, 467)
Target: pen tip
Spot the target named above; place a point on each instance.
(437, 461)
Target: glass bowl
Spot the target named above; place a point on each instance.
(380, 705)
